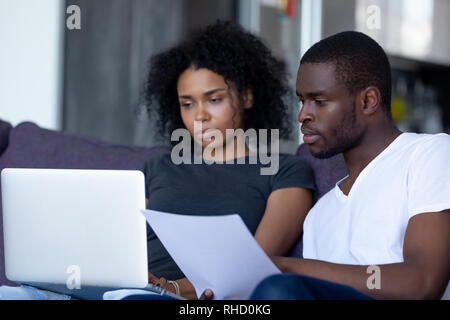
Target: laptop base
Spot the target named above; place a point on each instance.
(96, 292)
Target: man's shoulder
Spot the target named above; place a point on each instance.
(412, 144)
(434, 139)
(426, 139)
(430, 145)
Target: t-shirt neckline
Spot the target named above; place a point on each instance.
(340, 194)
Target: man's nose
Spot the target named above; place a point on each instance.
(305, 114)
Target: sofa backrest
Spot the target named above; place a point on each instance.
(33, 147)
(327, 172)
(5, 128)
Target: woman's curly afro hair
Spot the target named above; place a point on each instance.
(235, 54)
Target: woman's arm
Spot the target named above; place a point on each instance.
(282, 223)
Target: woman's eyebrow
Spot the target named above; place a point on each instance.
(210, 92)
(207, 93)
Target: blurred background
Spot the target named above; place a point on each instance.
(88, 80)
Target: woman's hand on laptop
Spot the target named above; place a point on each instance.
(160, 282)
(186, 288)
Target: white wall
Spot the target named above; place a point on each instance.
(414, 29)
(31, 37)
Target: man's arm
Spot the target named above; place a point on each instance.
(423, 274)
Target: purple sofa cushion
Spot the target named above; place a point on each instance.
(326, 173)
(5, 128)
(33, 147)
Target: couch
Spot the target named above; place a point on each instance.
(29, 146)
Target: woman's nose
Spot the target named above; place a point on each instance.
(201, 113)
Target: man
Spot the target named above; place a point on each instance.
(390, 215)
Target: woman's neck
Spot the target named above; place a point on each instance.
(228, 152)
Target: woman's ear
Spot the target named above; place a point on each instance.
(247, 98)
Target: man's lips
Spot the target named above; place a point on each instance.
(310, 136)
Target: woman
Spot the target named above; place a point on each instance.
(222, 77)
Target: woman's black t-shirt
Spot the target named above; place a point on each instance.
(213, 189)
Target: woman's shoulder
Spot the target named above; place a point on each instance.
(293, 172)
(290, 160)
(155, 161)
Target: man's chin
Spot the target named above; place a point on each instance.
(322, 154)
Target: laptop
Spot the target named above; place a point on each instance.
(76, 232)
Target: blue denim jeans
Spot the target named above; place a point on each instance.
(29, 293)
(290, 287)
(298, 287)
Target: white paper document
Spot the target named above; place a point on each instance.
(216, 252)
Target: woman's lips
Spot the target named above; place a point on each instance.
(206, 133)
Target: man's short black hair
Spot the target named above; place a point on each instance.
(359, 60)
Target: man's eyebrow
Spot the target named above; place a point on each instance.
(207, 93)
(315, 94)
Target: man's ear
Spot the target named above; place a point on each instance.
(247, 98)
(371, 100)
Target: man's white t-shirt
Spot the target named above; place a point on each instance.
(367, 227)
